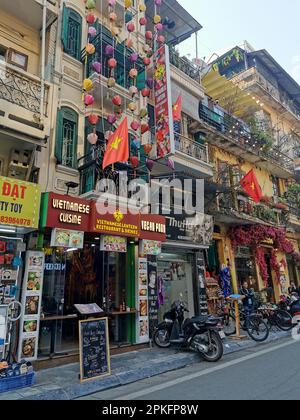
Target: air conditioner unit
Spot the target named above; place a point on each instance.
(19, 164)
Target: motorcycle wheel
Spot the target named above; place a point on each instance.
(217, 350)
(229, 325)
(284, 320)
(162, 338)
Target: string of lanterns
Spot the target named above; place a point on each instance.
(140, 123)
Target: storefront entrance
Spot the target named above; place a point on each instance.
(177, 273)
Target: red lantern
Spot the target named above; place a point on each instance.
(134, 162)
(148, 148)
(117, 101)
(149, 35)
(145, 128)
(93, 119)
(146, 93)
(135, 125)
(90, 18)
(112, 63)
(147, 61)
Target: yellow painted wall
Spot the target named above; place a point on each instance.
(14, 34)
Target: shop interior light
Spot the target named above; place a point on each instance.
(72, 249)
(4, 229)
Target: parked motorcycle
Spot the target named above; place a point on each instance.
(290, 304)
(200, 334)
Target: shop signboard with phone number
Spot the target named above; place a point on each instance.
(19, 203)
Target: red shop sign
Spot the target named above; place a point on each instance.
(119, 223)
(153, 227)
(66, 212)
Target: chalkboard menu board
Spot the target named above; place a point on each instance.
(94, 349)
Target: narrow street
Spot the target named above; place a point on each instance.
(268, 373)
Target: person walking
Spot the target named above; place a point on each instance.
(248, 302)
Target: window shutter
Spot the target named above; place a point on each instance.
(141, 80)
(65, 27)
(59, 136)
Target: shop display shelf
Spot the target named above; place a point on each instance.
(17, 382)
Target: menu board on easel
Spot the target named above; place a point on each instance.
(142, 319)
(94, 349)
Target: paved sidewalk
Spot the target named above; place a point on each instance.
(62, 383)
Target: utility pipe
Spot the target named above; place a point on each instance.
(43, 61)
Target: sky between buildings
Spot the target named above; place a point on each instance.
(266, 24)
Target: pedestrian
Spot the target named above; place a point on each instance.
(248, 302)
(293, 289)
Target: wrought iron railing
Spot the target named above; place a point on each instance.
(185, 65)
(240, 133)
(191, 148)
(235, 204)
(21, 89)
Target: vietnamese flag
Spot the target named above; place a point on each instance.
(117, 149)
(177, 109)
(251, 186)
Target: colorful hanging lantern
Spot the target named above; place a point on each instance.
(89, 100)
(132, 106)
(150, 164)
(112, 119)
(161, 39)
(90, 49)
(157, 19)
(90, 18)
(133, 73)
(147, 61)
(113, 17)
(159, 27)
(96, 66)
(111, 82)
(90, 4)
(134, 160)
(92, 31)
(134, 57)
(136, 143)
(115, 31)
(149, 35)
(143, 21)
(143, 113)
(112, 3)
(128, 4)
(146, 93)
(135, 125)
(112, 63)
(87, 85)
(93, 119)
(92, 138)
(130, 27)
(129, 43)
(158, 3)
(109, 50)
(108, 134)
(116, 100)
(150, 83)
(171, 164)
(133, 90)
(145, 128)
(128, 16)
(142, 8)
(148, 148)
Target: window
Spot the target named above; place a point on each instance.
(3, 51)
(72, 33)
(66, 138)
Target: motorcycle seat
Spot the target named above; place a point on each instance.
(204, 320)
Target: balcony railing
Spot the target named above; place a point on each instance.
(185, 65)
(252, 76)
(191, 148)
(22, 89)
(242, 207)
(240, 133)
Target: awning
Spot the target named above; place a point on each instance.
(230, 96)
(181, 25)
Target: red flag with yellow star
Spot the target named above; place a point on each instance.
(117, 149)
(251, 186)
(177, 110)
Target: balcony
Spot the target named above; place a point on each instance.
(30, 12)
(236, 208)
(234, 136)
(20, 101)
(192, 157)
(254, 82)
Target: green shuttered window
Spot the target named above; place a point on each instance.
(66, 137)
(72, 33)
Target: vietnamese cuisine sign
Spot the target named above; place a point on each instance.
(165, 142)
